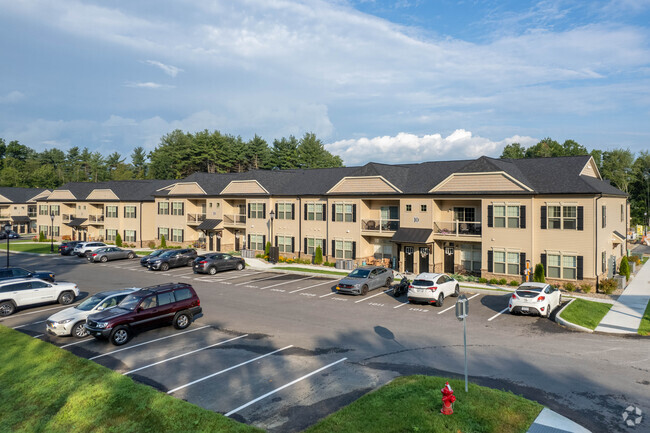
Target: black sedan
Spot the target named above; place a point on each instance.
(66, 247)
(173, 259)
(214, 262)
(146, 259)
(11, 273)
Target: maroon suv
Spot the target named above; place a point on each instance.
(175, 303)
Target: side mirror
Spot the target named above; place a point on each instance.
(137, 310)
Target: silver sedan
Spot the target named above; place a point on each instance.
(110, 253)
(365, 278)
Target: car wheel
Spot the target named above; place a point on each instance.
(440, 300)
(86, 254)
(182, 320)
(364, 290)
(164, 267)
(66, 298)
(130, 256)
(120, 335)
(457, 291)
(212, 270)
(78, 330)
(104, 259)
(239, 266)
(388, 281)
(7, 308)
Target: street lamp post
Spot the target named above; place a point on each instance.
(7, 228)
(52, 233)
(272, 215)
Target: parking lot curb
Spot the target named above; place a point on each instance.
(563, 322)
(306, 274)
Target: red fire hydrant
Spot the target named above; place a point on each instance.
(448, 399)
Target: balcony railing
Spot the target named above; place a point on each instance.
(195, 218)
(457, 228)
(32, 214)
(380, 225)
(234, 219)
(96, 219)
(68, 217)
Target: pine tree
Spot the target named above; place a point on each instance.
(624, 268)
(538, 276)
(118, 240)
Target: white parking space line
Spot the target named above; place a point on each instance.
(329, 294)
(454, 306)
(185, 354)
(284, 386)
(29, 324)
(21, 314)
(78, 342)
(228, 369)
(257, 281)
(370, 297)
(285, 282)
(38, 336)
(498, 314)
(147, 342)
(315, 285)
(401, 305)
(239, 275)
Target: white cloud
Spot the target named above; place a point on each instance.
(405, 148)
(146, 85)
(167, 69)
(12, 97)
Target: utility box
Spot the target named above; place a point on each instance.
(274, 254)
(621, 281)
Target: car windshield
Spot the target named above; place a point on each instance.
(90, 303)
(359, 273)
(529, 292)
(130, 302)
(422, 283)
(156, 253)
(168, 254)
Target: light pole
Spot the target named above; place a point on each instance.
(7, 228)
(272, 215)
(52, 233)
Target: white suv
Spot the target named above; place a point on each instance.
(85, 248)
(432, 288)
(30, 291)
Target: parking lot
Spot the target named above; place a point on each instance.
(277, 350)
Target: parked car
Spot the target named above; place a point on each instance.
(13, 273)
(431, 288)
(175, 303)
(30, 291)
(173, 259)
(12, 235)
(214, 262)
(365, 278)
(85, 248)
(110, 253)
(145, 260)
(67, 247)
(71, 320)
(535, 298)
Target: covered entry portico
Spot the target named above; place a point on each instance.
(415, 248)
(211, 229)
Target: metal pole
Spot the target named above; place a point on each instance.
(52, 235)
(7, 249)
(465, 344)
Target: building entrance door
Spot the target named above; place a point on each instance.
(424, 259)
(449, 259)
(236, 242)
(408, 259)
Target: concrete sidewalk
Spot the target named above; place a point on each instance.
(552, 422)
(626, 314)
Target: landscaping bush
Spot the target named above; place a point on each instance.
(514, 283)
(586, 288)
(569, 287)
(259, 256)
(151, 245)
(318, 256)
(538, 275)
(66, 238)
(41, 237)
(267, 248)
(118, 240)
(493, 281)
(608, 285)
(163, 242)
(503, 282)
(482, 280)
(331, 265)
(636, 259)
(624, 268)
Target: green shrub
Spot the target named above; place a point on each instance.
(259, 256)
(636, 259)
(493, 281)
(624, 268)
(151, 245)
(41, 237)
(318, 256)
(503, 282)
(267, 248)
(538, 275)
(118, 240)
(482, 280)
(586, 288)
(163, 242)
(514, 283)
(332, 264)
(608, 285)
(569, 287)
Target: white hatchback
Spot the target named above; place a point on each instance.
(535, 298)
(432, 289)
(30, 291)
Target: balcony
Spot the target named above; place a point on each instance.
(380, 226)
(96, 219)
(457, 229)
(234, 220)
(67, 217)
(31, 214)
(195, 218)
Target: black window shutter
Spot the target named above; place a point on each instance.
(276, 241)
(124, 211)
(333, 212)
(490, 254)
(293, 212)
(249, 241)
(264, 242)
(324, 212)
(522, 263)
(249, 210)
(105, 236)
(135, 235)
(543, 260)
(305, 211)
(522, 217)
(263, 210)
(324, 245)
(182, 235)
(354, 213)
(333, 247)
(354, 250)
(579, 264)
(135, 212)
(581, 217)
(305, 251)
(489, 217)
(543, 217)
(182, 208)
(277, 214)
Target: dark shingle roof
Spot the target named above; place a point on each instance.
(20, 195)
(126, 190)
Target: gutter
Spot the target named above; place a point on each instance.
(596, 240)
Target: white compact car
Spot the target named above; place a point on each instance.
(71, 320)
(432, 289)
(85, 248)
(535, 298)
(30, 291)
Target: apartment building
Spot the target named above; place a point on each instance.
(490, 217)
(18, 208)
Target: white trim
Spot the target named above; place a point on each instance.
(363, 177)
(481, 173)
(244, 181)
(594, 166)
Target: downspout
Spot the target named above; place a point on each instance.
(140, 219)
(596, 239)
(300, 243)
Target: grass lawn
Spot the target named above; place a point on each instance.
(644, 328)
(47, 389)
(37, 247)
(585, 313)
(315, 271)
(412, 404)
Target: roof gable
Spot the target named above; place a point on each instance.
(102, 194)
(186, 188)
(244, 187)
(497, 181)
(41, 196)
(363, 184)
(590, 169)
(62, 194)
(4, 199)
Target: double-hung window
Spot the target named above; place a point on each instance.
(163, 208)
(111, 211)
(569, 217)
(129, 212)
(499, 216)
(562, 266)
(499, 259)
(177, 208)
(256, 242)
(256, 211)
(343, 249)
(562, 217)
(285, 211)
(285, 244)
(55, 210)
(315, 211)
(42, 209)
(513, 216)
(312, 244)
(177, 235)
(506, 262)
(163, 231)
(344, 212)
(129, 235)
(111, 234)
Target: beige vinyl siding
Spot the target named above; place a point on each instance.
(102, 194)
(244, 187)
(186, 188)
(590, 170)
(363, 184)
(479, 182)
(62, 194)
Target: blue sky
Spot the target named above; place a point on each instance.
(385, 81)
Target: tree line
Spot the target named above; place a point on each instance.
(621, 167)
